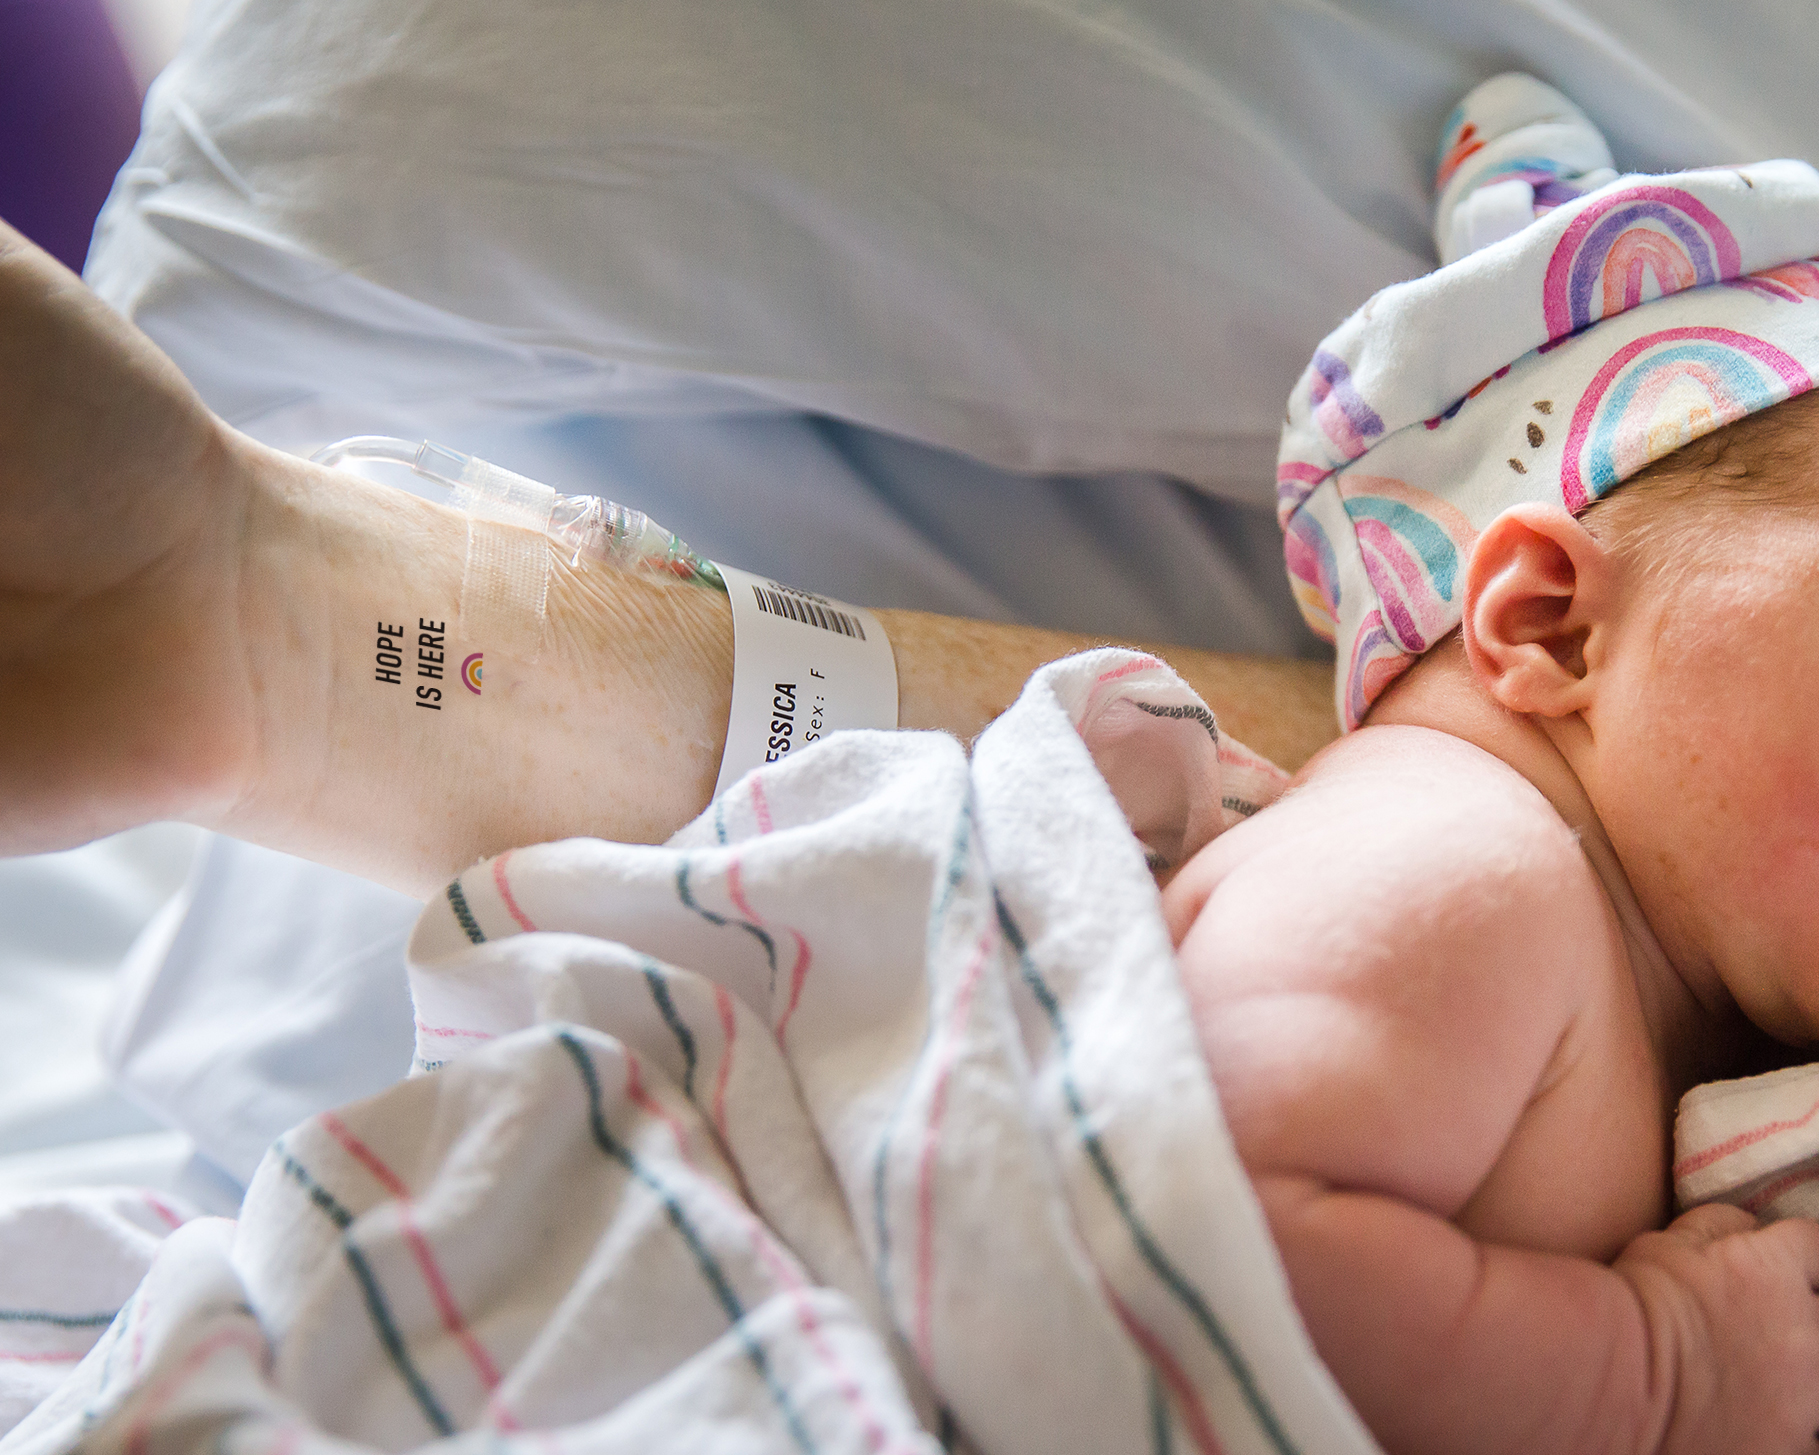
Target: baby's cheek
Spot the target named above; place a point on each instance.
(1774, 822)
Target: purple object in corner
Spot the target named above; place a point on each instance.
(69, 114)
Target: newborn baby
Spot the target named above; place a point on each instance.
(1453, 984)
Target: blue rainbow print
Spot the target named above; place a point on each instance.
(1312, 573)
(1415, 547)
(1665, 390)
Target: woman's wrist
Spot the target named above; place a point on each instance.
(373, 750)
(360, 742)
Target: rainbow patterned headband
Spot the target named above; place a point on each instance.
(1549, 366)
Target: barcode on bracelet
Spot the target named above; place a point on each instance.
(809, 613)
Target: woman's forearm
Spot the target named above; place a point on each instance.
(195, 626)
(958, 675)
(368, 750)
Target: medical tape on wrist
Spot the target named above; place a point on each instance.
(803, 666)
(505, 583)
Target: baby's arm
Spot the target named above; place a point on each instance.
(1701, 1340)
(1403, 976)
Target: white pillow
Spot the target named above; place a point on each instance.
(1052, 235)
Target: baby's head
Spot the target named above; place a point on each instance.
(1603, 333)
(1578, 471)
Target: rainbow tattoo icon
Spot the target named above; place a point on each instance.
(471, 672)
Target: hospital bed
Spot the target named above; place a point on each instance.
(984, 309)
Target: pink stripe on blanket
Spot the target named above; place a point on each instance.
(782, 1268)
(650, 1106)
(162, 1208)
(142, 1304)
(1698, 1161)
(452, 1319)
(138, 1435)
(723, 1002)
(430, 1030)
(1140, 664)
(761, 808)
(1187, 1398)
(735, 891)
(505, 893)
(1759, 1200)
(931, 1139)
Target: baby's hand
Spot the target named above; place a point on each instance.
(1734, 1328)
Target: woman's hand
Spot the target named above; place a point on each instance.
(121, 504)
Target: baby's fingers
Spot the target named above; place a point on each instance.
(1710, 1222)
(1797, 1241)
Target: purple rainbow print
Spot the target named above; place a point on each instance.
(1662, 391)
(1414, 547)
(1339, 408)
(1313, 574)
(1547, 179)
(1790, 283)
(1375, 663)
(1601, 262)
(1295, 481)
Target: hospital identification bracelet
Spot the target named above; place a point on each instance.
(804, 666)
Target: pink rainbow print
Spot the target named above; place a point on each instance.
(1608, 250)
(1313, 573)
(1789, 283)
(1414, 546)
(1375, 663)
(471, 672)
(1615, 429)
(1295, 481)
(1634, 255)
(1347, 421)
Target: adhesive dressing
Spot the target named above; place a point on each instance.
(804, 665)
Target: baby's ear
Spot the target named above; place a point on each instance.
(1539, 593)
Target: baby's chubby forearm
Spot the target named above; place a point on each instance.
(1699, 1340)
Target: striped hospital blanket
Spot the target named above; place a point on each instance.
(1752, 1142)
(866, 1115)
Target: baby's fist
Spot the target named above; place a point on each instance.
(1733, 1325)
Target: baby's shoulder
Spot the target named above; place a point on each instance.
(1410, 938)
(1439, 804)
(1397, 844)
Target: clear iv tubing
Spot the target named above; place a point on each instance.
(591, 528)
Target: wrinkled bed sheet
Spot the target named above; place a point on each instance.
(866, 1114)
(66, 921)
